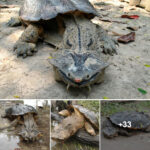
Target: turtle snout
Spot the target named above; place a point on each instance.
(77, 80)
(30, 135)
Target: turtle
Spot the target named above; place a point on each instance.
(24, 115)
(126, 123)
(79, 43)
(79, 118)
(142, 3)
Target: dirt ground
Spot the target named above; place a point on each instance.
(140, 140)
(11, 141)
(33, 77)
(136, 142)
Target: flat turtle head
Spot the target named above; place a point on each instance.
(30, 134)
(36, 10)
(90, 116)
(131, 120)
(79, 69)
(20, 109)
(109, 130)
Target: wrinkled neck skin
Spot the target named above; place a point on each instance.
(80, 64)
(29, 130)
(78, 35)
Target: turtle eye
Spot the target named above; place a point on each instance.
(90, 43)
(68, 74)
(68, 43)
(88, 76)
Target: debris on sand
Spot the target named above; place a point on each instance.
(127, 38)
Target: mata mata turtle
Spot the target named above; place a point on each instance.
(125, 123)
(66, 25)
(24, 115)
(79, 117)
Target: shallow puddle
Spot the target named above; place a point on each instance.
(9, 142)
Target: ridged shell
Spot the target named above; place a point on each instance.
(20, 109)
(36, 10)
(138, 120)
(89, 115)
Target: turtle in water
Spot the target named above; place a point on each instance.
(79, 118)
(25, 116)
(66, 25)
(126, 123)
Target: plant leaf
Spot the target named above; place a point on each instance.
(50, 57)
(146, 65)
(15, 96)
(105, 97)
(142, 91)
(130, 16)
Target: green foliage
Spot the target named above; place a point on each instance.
(73, 145)
(142, 91)
(111, 107)
(91, 105)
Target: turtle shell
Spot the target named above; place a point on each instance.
(89, 115)
(138, 120)
(20, 109)
(36, 10)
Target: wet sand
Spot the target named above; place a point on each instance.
(136, 142)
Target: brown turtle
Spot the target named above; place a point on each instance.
(79, 117)
(24, 115)
(124, 123)
(66, 25)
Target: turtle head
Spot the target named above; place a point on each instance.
(30, 134)
(78, 69)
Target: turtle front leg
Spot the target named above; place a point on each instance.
(89, 128)
(107, 43)
(26, 45)
(14, 22)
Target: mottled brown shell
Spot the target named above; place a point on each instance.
(139, 120)
(36, 10)
(89, 115)
(20, 109)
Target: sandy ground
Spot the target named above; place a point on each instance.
(33, 77)
(136, 142)
(8, 139)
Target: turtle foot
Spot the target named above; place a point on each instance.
(109, 46)
(13, 22)
(24, 49)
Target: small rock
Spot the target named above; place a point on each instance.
(121, 6)
(133, 28)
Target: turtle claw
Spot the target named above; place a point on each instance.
(109, 46)
(89, 88)
(68, 86)
(24, 49)
(13, 22)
